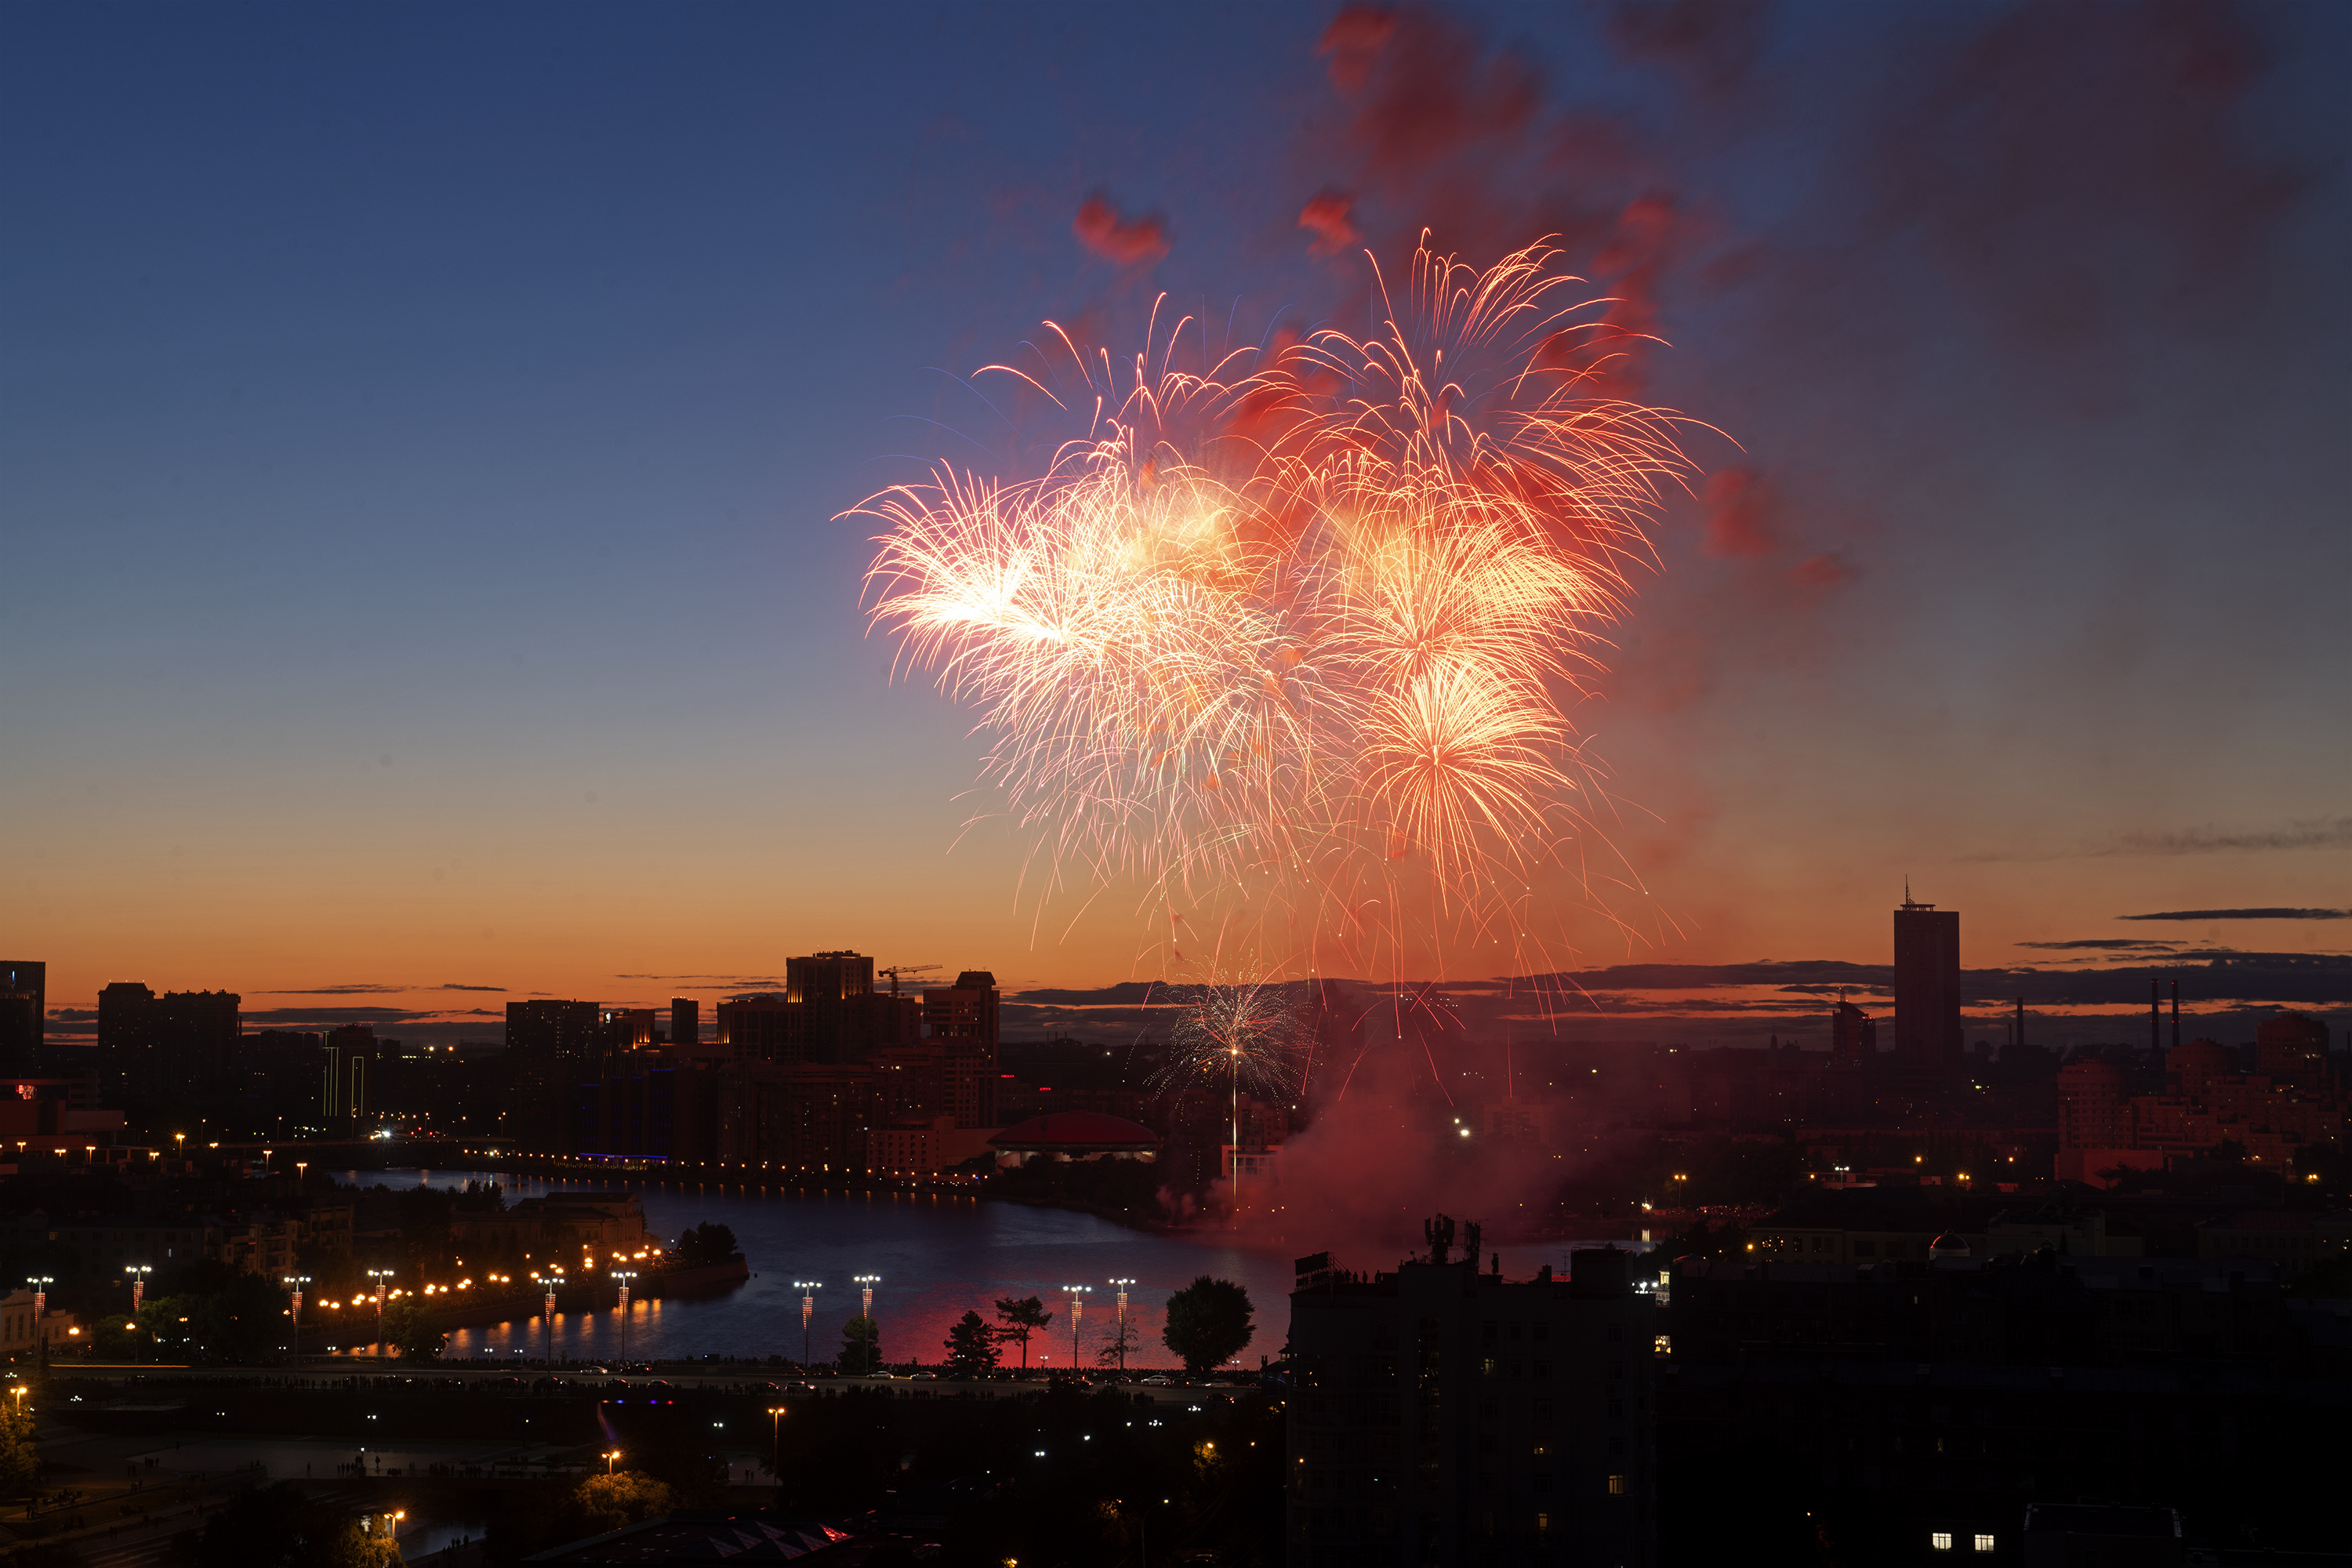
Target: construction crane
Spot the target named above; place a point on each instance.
(895, 970)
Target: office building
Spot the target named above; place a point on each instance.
(820, 983)
(962, 1018)
(566, 1031)
(2270, 1116)
(651, 1105)
(24, 1016)
(1928, 1037)
(685, 1022)
(1853, 1035)
(351, 1049)
(1442, 1414)
(627, 1028)
(551, 1046)
(168, 1050)
(763, 1029)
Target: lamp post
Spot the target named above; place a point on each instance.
(808, 1289)
(138, 1272)
(383, 1278)
(1120, 1286)
(1077, 1294)
(625, 1275)
(294, 1282)
(40, 1284)
(610, 1455)
(865, 1310)
(301, 1172)
(776, 1441)
(548, 1282)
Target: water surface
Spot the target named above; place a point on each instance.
(938, 1257)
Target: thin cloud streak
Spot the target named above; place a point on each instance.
(2242, 915)
(2311, 833)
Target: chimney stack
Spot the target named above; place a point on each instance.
(2176, 1014)
(2155, 1015)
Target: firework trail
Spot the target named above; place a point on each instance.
(1297, 632)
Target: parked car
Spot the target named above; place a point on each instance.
(1156, 1380)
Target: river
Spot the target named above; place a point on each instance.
(938, 1257)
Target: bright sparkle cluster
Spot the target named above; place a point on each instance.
(1302, 627)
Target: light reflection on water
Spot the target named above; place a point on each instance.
(939, 1257)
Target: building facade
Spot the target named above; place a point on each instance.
(24, 1016)
(1444, 1416)
(1928, 1043)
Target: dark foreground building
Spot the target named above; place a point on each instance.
(1966, 1410)
(1441, 1416)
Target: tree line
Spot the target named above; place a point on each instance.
(1209, 1323)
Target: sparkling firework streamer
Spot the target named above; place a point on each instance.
(1252, 1038)
(1301, 630)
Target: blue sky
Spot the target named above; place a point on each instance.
(423, 429)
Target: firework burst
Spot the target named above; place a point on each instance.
(1301, 630)
(1248, 1038)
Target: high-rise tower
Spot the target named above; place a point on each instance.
(1927, 1043)
(24, 1016)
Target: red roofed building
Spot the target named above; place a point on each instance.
(1076, 1135)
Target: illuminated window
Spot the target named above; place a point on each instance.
(1665, 1345)
(1984, 1544)
(1617, 1488)
(1543, 1523)
(1941, 1540)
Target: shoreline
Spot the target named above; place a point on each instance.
(736, 1176)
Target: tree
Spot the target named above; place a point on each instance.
(119, 1337)
(425, 1233)
(20, 1465)
(861, 1345)
(1122, 1341)
(1208, 1323)
(706, 1243)
(1021, 1318)
(278, 1527)
(625, 1497)
(971, 1346)
(407, 1323)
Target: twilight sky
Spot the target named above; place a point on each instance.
(422, 428)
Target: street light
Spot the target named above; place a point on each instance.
(625, 1275)
(294, 1282)
(1120, 1286)
(138, 1272)
(611, 1455)
(873, 1342)
(776, 1441)
(383, 1278)
(808, 1289)
(548, 1282)
(1077, 1305)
